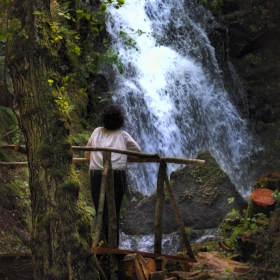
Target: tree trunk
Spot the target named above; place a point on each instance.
(260, 201)
(61, 234)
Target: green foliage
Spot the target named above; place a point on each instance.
(14, 190)
(127, 38)
(209, 177)
(264, 18)
(276, 196)
(253, 59)
(128, 41)
(81, 139)
(90, 210)
(9, 130)
(85, 60)
(7, 27)
(213, 5)
(92, 62)
(245, 225)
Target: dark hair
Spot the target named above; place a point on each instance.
(112, 117)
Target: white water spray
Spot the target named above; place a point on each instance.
(172, 91)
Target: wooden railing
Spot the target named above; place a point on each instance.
(108, 190)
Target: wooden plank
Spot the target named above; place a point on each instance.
(141, 270)
(102, 250)
(135, 267)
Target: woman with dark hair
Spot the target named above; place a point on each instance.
(110, 135)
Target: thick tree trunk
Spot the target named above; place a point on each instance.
(61, 235)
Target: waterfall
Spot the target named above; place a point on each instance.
(172, 90)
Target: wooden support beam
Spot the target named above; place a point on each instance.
(14, 164)
(159, 208)
(116, 251)
(111, 207)
(110, 198)
(100, 209)
(178, 217)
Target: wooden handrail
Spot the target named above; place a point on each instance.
(132, 156)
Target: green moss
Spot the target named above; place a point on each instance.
(71, 184)
(186, 195)
(253, 59)
(270, 181)
(209, 178)
(45, 151)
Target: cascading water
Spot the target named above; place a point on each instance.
(172, 90)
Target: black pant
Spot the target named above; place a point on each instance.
(120, 185)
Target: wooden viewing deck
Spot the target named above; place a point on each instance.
(128, 264)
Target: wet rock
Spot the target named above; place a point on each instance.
(202, 195)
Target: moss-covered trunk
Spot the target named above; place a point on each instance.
(61, 236)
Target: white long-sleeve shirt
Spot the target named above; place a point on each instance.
(119, 139)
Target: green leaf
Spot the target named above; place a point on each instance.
(4, 36)
(77, 50)
(103, 7)
(90, 210)
(121, 2)
(95, 31)
(37, 13)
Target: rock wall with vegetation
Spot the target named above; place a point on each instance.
(248, 35)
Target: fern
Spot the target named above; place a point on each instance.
(81, 139)
(8, 125)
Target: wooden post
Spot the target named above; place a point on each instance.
(159, 208)
(178, 217)
(112, 217)
(100, 207)
(110, 197)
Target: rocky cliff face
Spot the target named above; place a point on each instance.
(249, 35)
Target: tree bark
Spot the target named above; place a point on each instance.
(61, 234)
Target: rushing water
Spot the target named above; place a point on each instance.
(172, 90)
(171, 243)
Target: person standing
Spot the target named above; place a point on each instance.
(110, 135)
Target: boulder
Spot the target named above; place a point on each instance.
(204, 195)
